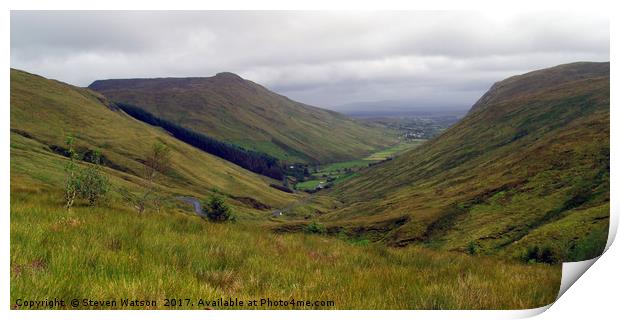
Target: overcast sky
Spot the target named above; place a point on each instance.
(429, 59)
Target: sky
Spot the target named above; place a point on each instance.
(335, 59)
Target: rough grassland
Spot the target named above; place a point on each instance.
(111, 252)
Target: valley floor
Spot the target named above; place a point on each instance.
(111, 252)
(337, 172)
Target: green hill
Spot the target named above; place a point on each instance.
(44, 112)
(525, 172)
(109, 251)
(242, 112)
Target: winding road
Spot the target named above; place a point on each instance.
(276, 213)
(194, 202)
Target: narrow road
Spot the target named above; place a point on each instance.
(194, 202)
(276, 213)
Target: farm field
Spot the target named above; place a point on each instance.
(340, 171)
(395, 150)
(309, 185)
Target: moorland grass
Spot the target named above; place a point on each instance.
(111, 252)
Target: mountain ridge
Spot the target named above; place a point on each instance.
(544, 78)
(245, 113)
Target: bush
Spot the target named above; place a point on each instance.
(87, 183)
(315, 227)
(72, 183)
(472, 248)
(217, 210)
(94, 185)
(546, 254)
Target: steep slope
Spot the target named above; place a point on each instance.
(527, 168)
(242, 112)
(44, 112)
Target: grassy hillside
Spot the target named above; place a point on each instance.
(44, 112)
(242, 112)
(109, 251)
(525, 172)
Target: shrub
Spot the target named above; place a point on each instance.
(531, 254)
(315, 227)
(93, 184)
(217, 210)
(472, 248)
(72, 184)
(87, 183)
(546, 254)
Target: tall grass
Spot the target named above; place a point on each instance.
(110, 252)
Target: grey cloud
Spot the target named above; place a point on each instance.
(321, 58)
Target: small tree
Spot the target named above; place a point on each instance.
(217, 210)
(72, 183)
(94, 185)
(87, 183)
(315, 227)
(157, 161)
